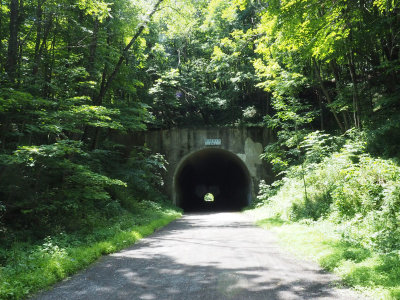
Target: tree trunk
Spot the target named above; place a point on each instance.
(12, 52)
(36, 57)
(338, 85)
(326, 94)
(92, 50)
(1, 35)
(41, 41)
(106, 82)
(320, 108)
(356, 102)
(391, 51)
(87, 132)
(48, 74)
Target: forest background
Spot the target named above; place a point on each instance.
(323, 75)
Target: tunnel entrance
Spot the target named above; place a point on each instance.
(215, 172)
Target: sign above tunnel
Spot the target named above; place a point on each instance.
(212, 142)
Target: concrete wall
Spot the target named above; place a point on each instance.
(176, 144)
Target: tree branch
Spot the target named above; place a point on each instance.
(104, 88)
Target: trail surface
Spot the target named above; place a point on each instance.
(203, 256)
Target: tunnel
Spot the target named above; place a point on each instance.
(212, 179)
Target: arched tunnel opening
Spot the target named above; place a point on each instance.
(212, 180)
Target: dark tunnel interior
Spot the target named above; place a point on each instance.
(215, 171)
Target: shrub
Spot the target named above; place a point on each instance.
(50, 185)
(352, 189)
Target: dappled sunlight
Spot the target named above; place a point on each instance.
(218, 259)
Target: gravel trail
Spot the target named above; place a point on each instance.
(203, 256)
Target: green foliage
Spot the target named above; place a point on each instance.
(325, 46)
(51, 186)
(306, 69)
(373, 273)
(143, 174)
(209, 197)
(203, 73)
(96, 8)
(26, 119)
(349, 187)
(266, 191)
(290, 121)
(50, 179)
(27, 268)
(318, 145)
(384, 139)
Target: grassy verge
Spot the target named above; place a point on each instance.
(26, 268)
(370, 272)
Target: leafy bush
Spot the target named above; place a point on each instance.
(55, 176)
(374, 273)
(26, 268)
(350, 188)
(51, 185)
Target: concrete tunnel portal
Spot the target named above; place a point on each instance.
(214, 171)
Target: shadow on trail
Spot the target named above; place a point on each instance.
(163, 278)
(153, 269)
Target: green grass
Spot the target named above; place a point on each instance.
(370, 272)
(27, 269)
(271, 222)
